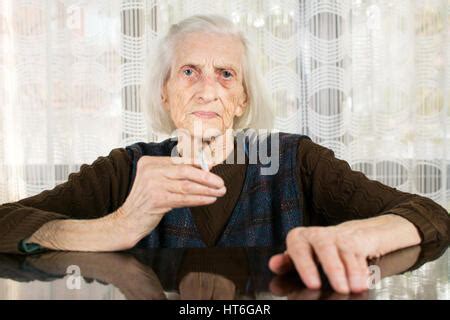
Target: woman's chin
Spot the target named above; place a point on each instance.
(205, 129)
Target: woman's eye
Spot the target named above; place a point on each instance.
(188, 72)
(227, 74)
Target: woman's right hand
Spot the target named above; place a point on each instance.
(161, 184)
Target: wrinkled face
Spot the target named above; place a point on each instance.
(205, 86)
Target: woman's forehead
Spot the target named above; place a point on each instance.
(202, 49)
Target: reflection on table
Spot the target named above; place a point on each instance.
(419, 272)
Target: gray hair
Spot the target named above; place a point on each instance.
(257, 114)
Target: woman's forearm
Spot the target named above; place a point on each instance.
(390, 232)
(102, 234)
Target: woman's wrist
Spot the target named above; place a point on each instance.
(46, 236)
(133, 229)
(388, 233)
(398, 233)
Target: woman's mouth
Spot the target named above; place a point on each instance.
(205, 114)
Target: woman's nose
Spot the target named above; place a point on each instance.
(207, 91)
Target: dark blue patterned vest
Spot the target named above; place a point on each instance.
(268, 207)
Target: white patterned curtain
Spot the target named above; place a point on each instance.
(368, 79)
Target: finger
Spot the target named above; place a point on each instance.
(164, 162)
(193, 161)
(187, 160)
(301, 254)
(363, 264)
(280, 264)
(175, 200)
(354, 271)
(192, 188)
(188, 172)
(332, 265)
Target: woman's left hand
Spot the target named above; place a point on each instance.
(343, 250)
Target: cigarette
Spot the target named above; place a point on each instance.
(202, 161)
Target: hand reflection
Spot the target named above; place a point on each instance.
(290, 286)
(293, 289)
(204, 273)
(206, 286)
(134, 279)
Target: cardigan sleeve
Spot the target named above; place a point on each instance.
(96, 190)
(336, 193)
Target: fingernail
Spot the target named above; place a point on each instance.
(315, 282)
(342, 284)
(222, 190)
(219, 182)
(357, 281)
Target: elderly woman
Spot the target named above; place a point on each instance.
(326, 214)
